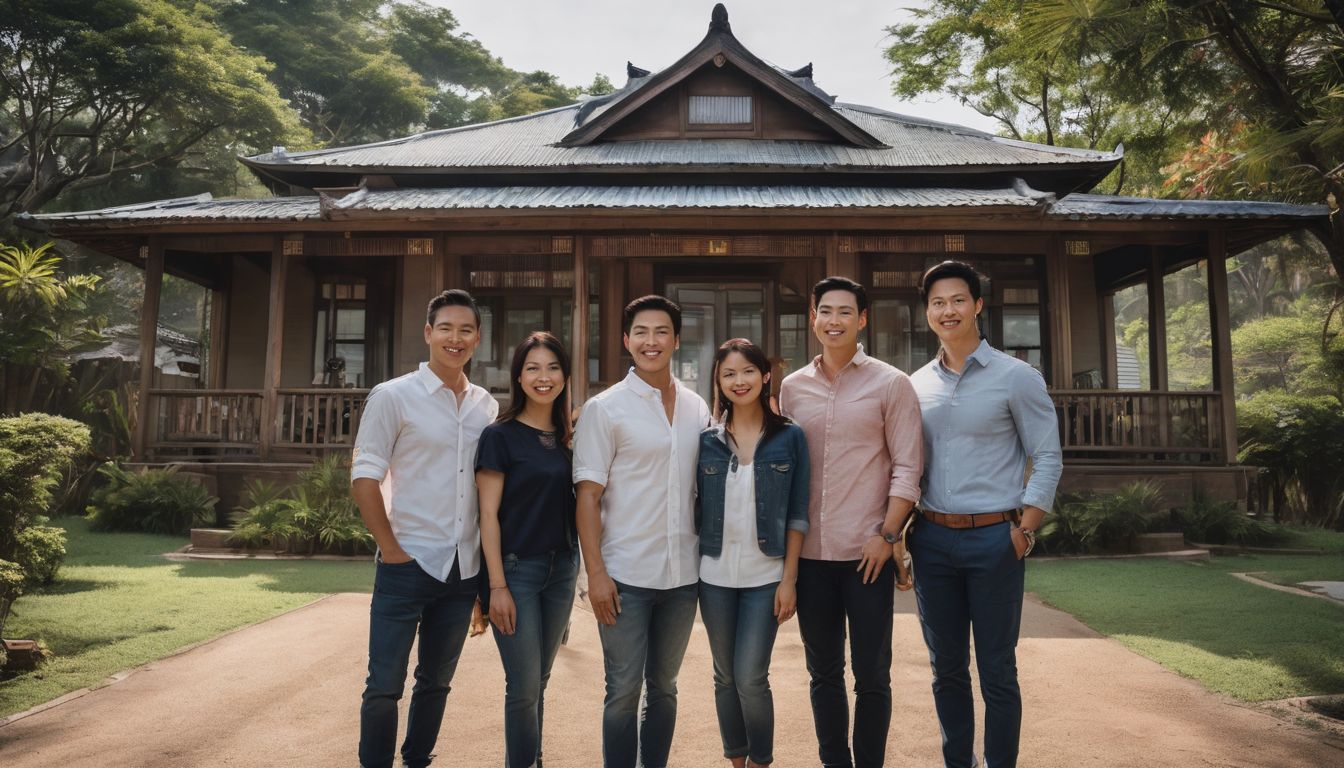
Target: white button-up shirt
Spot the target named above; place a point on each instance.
(741, 564)
(646, 466)
(420, 445)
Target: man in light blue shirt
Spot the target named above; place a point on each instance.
(985, 414)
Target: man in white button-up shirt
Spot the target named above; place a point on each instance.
(413, 480)
(635, 453)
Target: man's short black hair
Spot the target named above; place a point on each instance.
(958, 269)
(455, 297)
(651, 302)
(836, 283)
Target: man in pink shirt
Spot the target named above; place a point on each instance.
(864, 434)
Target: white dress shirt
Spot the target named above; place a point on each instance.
(741, 564)
(646, 466)
(420, 445)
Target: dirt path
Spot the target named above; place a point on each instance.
(286, 693)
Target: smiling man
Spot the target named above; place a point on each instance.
(985, 414)
(861, 418)
(635, 450)
(413, 480)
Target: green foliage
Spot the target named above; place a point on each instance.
(1206, 521)
(1296, 440)
(35, 448)
(318, 514)
(91, 93)
(149, 501)
(1107, 522)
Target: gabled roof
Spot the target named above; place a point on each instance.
(720, 47)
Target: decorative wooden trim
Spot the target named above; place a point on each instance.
(954, 243)
(420, 246)
(781, 246)
(358, 246)
(1077, 248)
(292, 247)
(562, 244)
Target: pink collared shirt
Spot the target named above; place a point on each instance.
(865, 437)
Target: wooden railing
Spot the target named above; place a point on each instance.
(195, 422)
(227, 423)
(318, 419)
(1139, 424)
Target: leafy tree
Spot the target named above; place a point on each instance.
(90, 92)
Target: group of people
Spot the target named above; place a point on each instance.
(748, 512)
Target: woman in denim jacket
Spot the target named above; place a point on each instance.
(751, 511)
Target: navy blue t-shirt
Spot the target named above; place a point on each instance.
(536, 512)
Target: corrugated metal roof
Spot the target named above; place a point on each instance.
(530, 142)
(1079, 206)
(198, 208)
(478, 198)
(203, 208)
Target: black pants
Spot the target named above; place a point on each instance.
(831, 594)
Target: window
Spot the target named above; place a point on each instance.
(719, 110)
(340, 343)
(518, 294)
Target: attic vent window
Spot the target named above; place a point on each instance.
(720, 110)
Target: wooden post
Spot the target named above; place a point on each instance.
(1157, 343)
(149, 337)
(1220, 326)
(578, 334)
(1057, 310)
(1106, 305)
(275, 336)
(612, 293)
(219, 337)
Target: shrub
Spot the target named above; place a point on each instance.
(318, 514)
(1296, 439)
(1104, 522)
(150, 501)
(1220, 522)
(35, 448)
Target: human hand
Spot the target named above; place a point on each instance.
(606, 600)
(503, 613)
(394, 557)
(905, 576)
(786, 601)
(1019, 540)
(875, 553)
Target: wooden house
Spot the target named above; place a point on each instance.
(723, 181)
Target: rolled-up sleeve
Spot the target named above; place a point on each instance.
(905, 438)
(594, 448)
(378, 428)
(799, 489)
(1038, 429)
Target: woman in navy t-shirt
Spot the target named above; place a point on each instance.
(524, 482)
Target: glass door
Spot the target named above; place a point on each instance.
(712, 313)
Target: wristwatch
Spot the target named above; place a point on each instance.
(1031, 539)
(892, 538)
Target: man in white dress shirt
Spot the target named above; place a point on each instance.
(413, 480)
(635, 453)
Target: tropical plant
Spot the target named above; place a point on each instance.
(1109, 522)
(34, 450)
(316, 515)
(1207, 521)
(150, 501)
(1295, 439)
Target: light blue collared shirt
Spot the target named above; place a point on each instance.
(980, 427)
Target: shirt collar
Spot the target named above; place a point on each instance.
(643, 388)
(432, 383)
(860, 358)
(983, 354)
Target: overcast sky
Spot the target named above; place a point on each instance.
(576, 39)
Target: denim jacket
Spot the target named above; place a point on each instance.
(782, 475)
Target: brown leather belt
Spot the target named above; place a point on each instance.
(969, 521)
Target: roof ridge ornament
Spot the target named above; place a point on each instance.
(801, 71)
(718, 19)
(633, 72)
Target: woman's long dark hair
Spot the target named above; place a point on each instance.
(518, 398)
(723, 407)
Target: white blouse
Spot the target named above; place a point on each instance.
(741, 564)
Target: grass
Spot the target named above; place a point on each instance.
(1249, 642)
(118, 603)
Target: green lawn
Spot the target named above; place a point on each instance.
(1250, 642)
(118, 603)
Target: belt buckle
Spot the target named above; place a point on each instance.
(960, 521)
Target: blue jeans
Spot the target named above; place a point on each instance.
(405, 599)
(741, 626)
(645, 646)
(970, 580)
(542, 587)
(831, 594)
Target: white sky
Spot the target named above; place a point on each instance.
(575, 39)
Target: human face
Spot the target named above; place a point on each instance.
(951, 313)
(651, 341)
(740, 382)
(836, 320)
(452, 338)
(542, 379)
